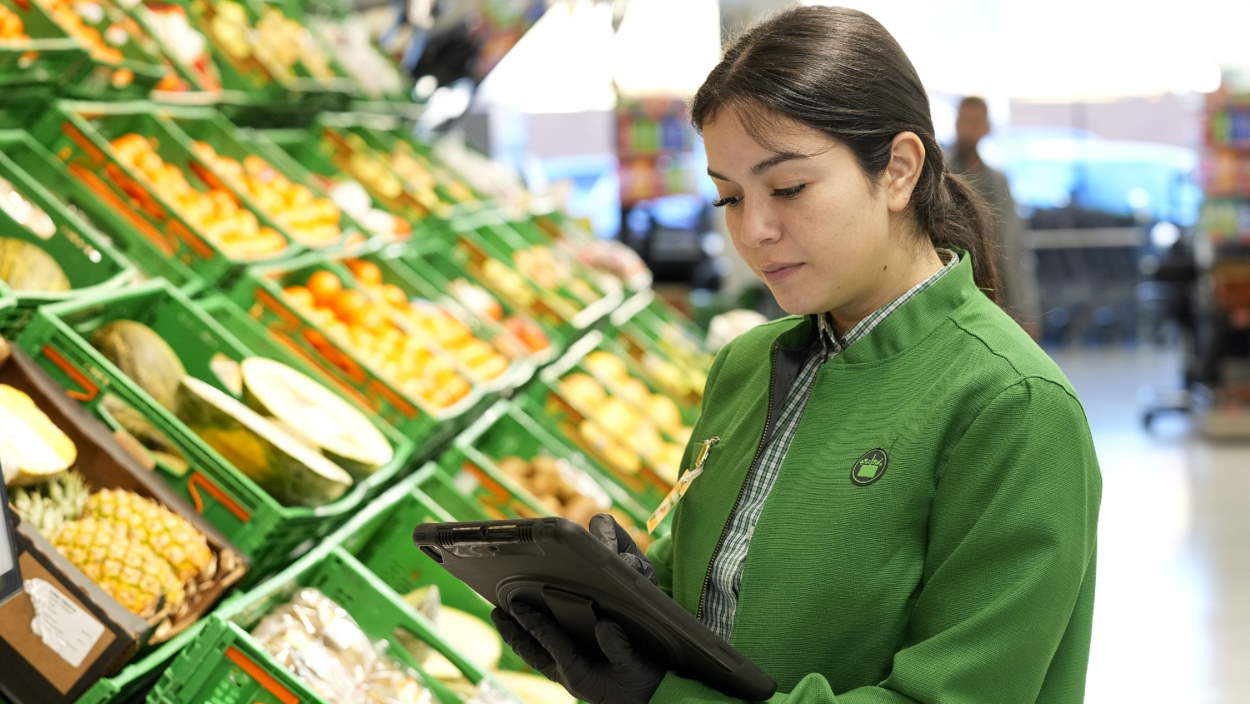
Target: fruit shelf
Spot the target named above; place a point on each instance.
(264, 528)
(115, 70)
(664, 345)
(104, 464)
(263, 54)
(226, 665)
(83, 255)
(267, 183)
(634, 434)
(543, 332)
(394, 167)
(494, 462)
(36, 56)
(344, 329)
(298, 146)
(205, 236)
(380, 537)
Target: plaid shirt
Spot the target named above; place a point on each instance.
(722, 595)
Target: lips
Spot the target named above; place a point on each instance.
(774, 273)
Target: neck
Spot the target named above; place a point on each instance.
(968, 156)
(896, 279)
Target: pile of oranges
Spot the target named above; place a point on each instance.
(363, 325)
(11, 27)
(214, 213)
(308, 218)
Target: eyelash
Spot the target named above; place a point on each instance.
(787, 193)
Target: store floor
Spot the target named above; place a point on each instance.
(1172, 612)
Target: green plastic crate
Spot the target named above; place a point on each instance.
(209, 125)
(547, 401)
(258, 75)
(264, 529)
(505, 431)
(96, 78)
(654, 335)
(380, 537)
(134, 681)
(224, 665)
(441, 268)
(39, 67)
(260, 292)
(205, 78)
(84, 254)
(156, 236)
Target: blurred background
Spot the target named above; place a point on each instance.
(1122, 129)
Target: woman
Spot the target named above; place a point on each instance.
(899, 494)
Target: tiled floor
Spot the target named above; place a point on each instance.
(1172, 613)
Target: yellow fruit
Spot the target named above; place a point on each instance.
(582, 390)
(664, 412)
(168, 535)
(607, 366)
(634, 391)
(120, 564)
(32, 448)
(618, 417)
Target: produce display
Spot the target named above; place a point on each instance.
(215, 212)
(367, 326)
(342, 314)
(310, 219)
(320, 643)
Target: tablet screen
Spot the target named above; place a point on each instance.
(9, 579)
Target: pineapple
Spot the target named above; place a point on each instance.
(53, 503)
(121, 565)
(168, 535)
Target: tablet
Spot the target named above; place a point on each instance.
(556, 566)
(10, 577)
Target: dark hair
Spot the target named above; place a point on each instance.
(839, 71)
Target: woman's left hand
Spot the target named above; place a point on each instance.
(616, 675)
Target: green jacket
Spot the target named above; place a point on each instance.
(963, 574)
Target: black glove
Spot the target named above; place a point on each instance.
(611, 535)
(616, 675)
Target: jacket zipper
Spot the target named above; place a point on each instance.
(720, 543)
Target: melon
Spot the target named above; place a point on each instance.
(32, 448)
(25, 266)
(468, 635)
(294, 474)
(532, 689)
(318, 416)
(143, 356)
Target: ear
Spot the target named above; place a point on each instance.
(901, 174)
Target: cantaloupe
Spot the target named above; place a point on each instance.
(316, 415)
(292, 472)
(25, 266)
(143, 356)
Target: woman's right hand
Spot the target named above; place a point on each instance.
(611, 535)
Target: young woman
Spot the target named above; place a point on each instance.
(898, 493)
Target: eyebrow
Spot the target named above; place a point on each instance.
(764, 165)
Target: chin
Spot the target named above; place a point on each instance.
(794, 303)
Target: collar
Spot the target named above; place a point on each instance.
(919, 312)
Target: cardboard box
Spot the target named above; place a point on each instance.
(64, 633)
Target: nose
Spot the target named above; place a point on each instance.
(758, 224)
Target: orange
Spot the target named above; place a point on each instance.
(394, 295)
(325, 287)
(374, 318)
(349, 305)
(365, 272)
(299, 296)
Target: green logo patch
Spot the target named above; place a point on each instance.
(870, 467)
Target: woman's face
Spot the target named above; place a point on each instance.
(806, 219)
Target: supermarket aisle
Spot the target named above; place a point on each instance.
(1172, 617)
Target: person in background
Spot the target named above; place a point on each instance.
(1013, 257)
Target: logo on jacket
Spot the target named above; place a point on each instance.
(870, 467)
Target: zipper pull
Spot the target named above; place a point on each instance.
(705, 449)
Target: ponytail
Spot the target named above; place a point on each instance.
(956, 216)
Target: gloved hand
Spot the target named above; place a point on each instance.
(611, 535)
(616, 675)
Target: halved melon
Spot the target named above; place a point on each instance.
(468, 635)
(282, 465)
(532, 689)
(32, 448)
(317, 415)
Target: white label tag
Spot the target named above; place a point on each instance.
(64, 627)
